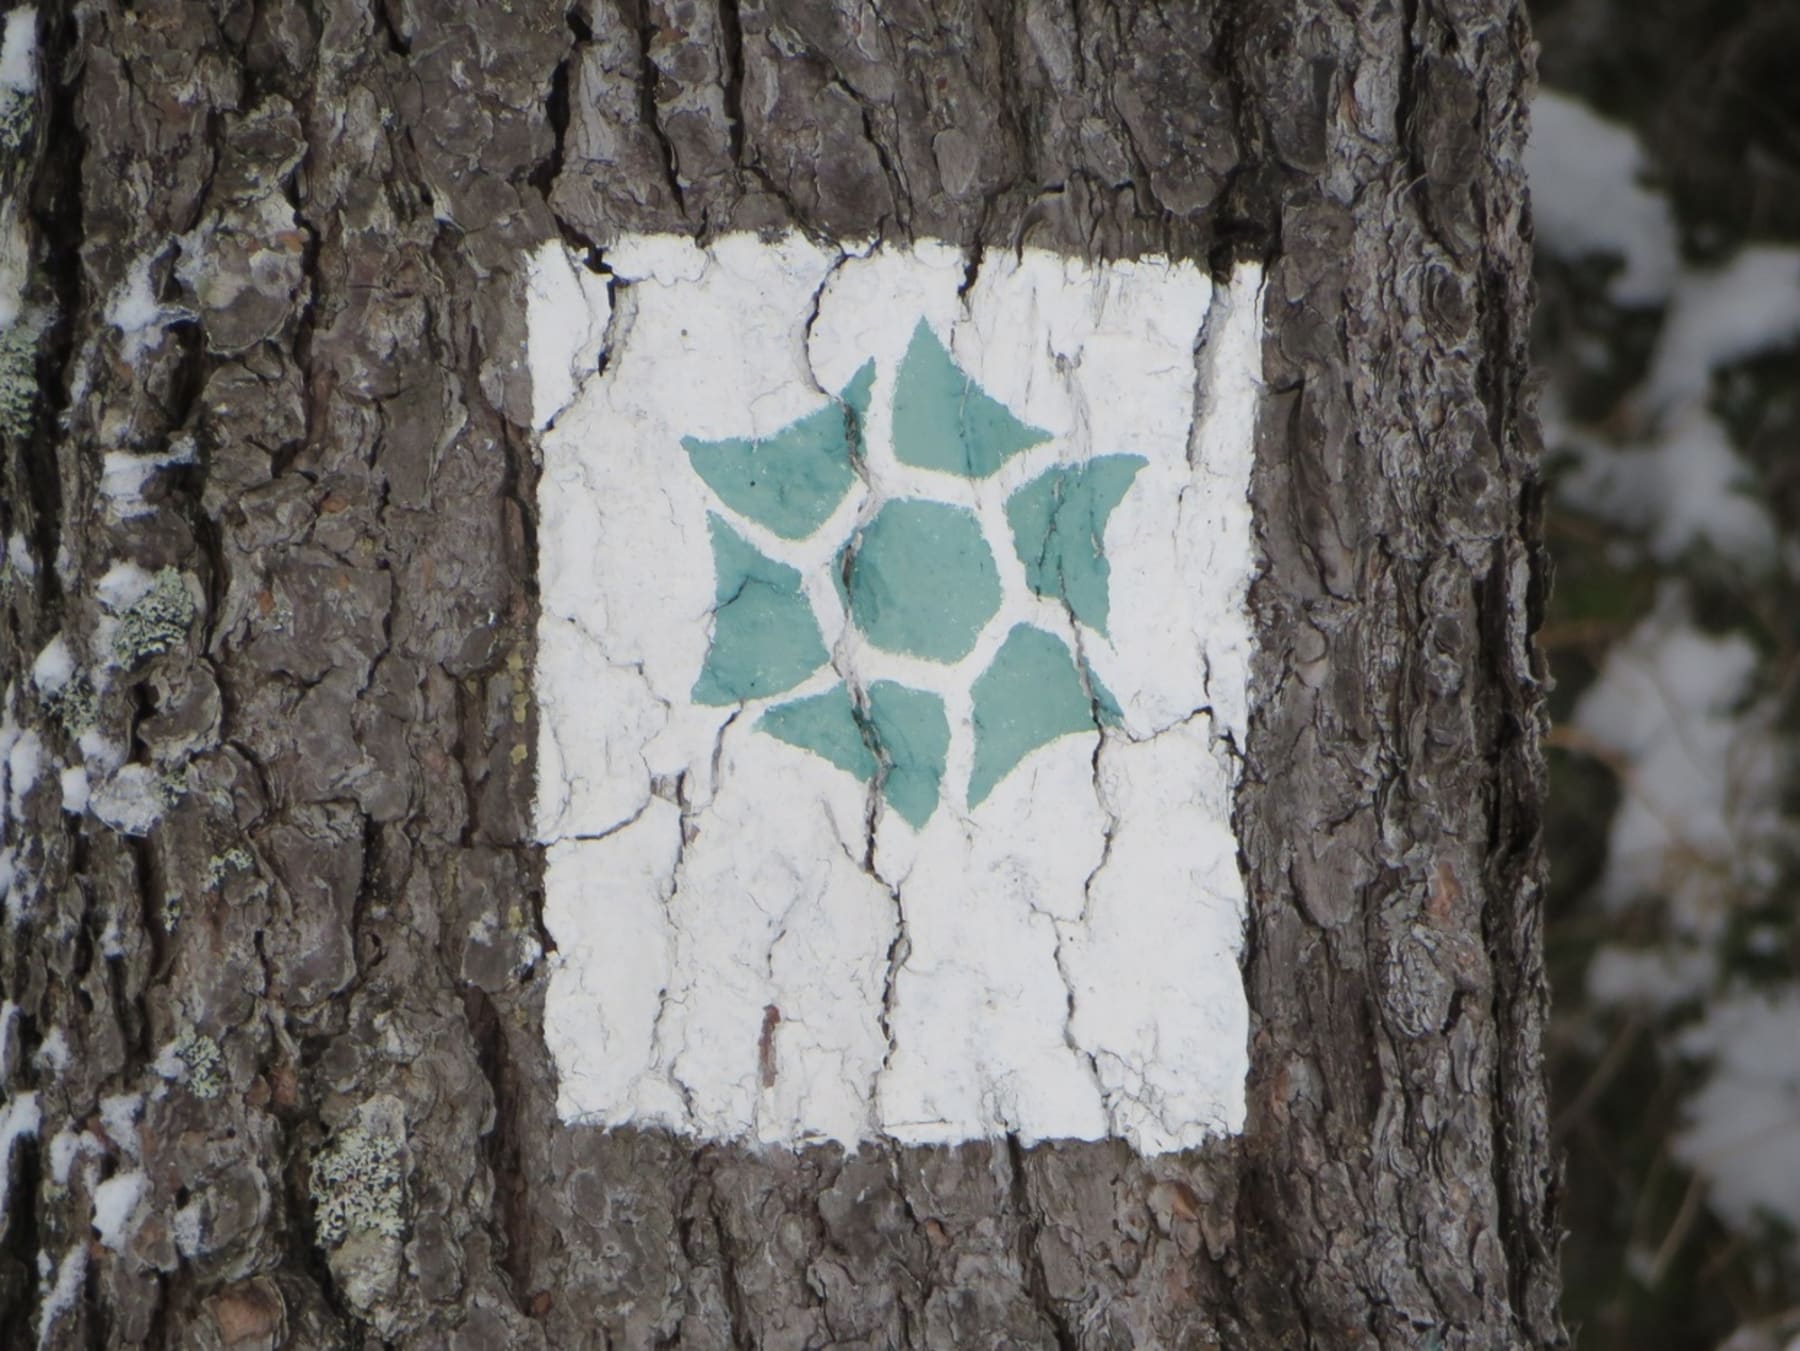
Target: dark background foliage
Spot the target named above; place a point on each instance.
(1653, 1259)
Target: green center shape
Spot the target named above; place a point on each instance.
(922, 581)
(919, 579)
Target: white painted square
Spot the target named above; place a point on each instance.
(754, 943)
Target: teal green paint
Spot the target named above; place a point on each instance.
(1058, 524)
(792, 481)
(855, 396)
(1027, 698)
(944, 420)
(825, 724)
(1107, 707)
(914, 737)
(765, 639)
(917, 579)
(922, 580)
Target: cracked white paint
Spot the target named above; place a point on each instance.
(751, 945)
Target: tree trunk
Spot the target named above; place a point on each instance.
(276, 492)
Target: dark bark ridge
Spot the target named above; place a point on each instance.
(321, 968)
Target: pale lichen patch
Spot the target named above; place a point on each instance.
(358, 1185)
(156, 621)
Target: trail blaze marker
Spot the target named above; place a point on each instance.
(892, 657)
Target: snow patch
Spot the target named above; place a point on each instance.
(123, 476)
(131, 801)
(53, 1052)
(123, 585)
(54, 666)
(18, 51)
(24, 761)
(1587, 197)
(1651, 978)
(118, 1117)
(133, 309)
(187, 1230)
(74, 790)
(118, 1208)
(1698, 766)
(60, 1296)
(1682, 483)
(68, 1145)
(15, 883)
(1743, 1134)
(1719, 316)
(101, 753)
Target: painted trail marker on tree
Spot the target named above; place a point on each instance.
(892, 656)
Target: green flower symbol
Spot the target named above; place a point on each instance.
(917, 578)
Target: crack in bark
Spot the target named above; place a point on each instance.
(649, 109)
(731, 34)
(1031, 1256)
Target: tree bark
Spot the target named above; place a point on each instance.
(277, 246)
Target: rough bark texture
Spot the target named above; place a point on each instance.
(331, 200)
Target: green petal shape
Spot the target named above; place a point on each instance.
(922, 580)
(1106, 708)
(1058, 524)
(792, 481)
(1028, 697)
(944, 420)
(765, 639)
(913, 736)
(825, 724)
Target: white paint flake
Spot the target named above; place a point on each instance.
(568, 309)
(754, 942)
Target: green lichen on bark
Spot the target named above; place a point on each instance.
(75, 705)
(155, 622)
(222, 865)
(17, 112)
(358, 1185)
(202, 1063)
(18, 374)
